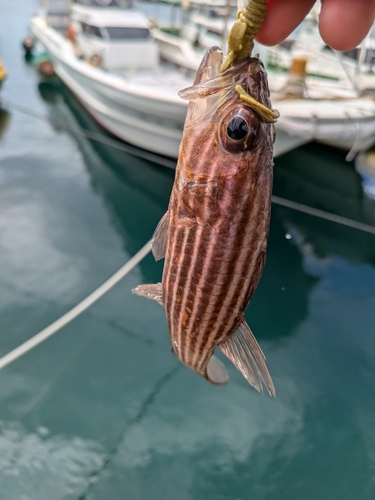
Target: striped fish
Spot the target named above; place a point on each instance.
(214, 234)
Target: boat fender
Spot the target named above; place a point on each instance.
(3, 73)
(71, 34)
(45, 68)
(96, 61)
(28, 44)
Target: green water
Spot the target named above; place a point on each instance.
(102, 410)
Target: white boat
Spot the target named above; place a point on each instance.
(112, 66)
(111, 63)
(327, 111)
(201, 27)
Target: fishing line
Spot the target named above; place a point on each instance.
(94, 136)
(77, 310)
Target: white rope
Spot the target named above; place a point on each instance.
(77, 310)
(321, 214)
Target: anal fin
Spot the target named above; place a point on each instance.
(246, 355)
(153, 292)
(160, 238)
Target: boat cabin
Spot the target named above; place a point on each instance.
(118, 37)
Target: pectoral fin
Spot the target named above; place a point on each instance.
(160, 238)
(153, 292)
(246, 355)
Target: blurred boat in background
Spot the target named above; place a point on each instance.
(127, 70)
(104, 52)
(321, 102)
(111, 63)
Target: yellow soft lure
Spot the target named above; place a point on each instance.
(241, 44)
(244, 30)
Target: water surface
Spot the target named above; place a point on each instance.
(102, 409)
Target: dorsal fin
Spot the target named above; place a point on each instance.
(208, 71)
(210, 81)
(246, 355)
(209, 66)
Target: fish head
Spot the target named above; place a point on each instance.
(220, 128)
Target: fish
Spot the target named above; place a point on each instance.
(214, 234)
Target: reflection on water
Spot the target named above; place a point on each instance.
(28, 458)
(126, 183)
(4, 120)
(49, 91)
(365, 166)
(325, 181)
(276, 310)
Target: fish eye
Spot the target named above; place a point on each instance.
(237, 128)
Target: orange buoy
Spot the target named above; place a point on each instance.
(3, 73)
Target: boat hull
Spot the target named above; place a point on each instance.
(149, 118)
(148, 115)
(342, 123)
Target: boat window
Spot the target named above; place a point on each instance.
(91, 30)
(126, 4)
(106, 3)
(85, 2)
(118, 33)
(213, 32)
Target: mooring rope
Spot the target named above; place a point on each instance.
(77, 310)
(321, 214)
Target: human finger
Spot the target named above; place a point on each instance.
(343, 24)
(282, 17)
